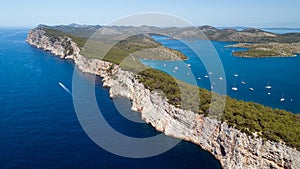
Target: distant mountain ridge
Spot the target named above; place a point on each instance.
(251, 35)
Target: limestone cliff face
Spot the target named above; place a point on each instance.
(234, 149)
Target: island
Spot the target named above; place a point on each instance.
(262, 50)
(247, 135)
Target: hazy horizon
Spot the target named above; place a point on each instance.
(86, 24)
(221, 13)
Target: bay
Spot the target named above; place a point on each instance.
(280, 72)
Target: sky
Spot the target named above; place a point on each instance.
(250, 13)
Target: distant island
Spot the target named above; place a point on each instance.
(261, 50)
(259, 43)
(247, 135)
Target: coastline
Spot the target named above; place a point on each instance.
(251, 57)
(231, 147)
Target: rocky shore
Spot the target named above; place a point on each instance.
(234, 149)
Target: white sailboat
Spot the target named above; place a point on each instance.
(282, 98)
(251, 89)
(234, 88)
(268, 86)
(243, 82)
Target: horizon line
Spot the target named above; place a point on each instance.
(224, 26)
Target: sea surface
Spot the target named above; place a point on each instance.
(39, 127)
(273, 30)
(280, 73)
(282, 30)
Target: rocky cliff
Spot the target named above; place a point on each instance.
(231, 147)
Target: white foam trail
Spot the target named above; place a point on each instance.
(65, 88)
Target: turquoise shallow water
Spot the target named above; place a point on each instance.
(282, 73)
(39, 127)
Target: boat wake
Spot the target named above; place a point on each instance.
(65, 88)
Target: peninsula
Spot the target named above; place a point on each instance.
(248, 135)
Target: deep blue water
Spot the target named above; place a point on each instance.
(39, 127)
(281, 73)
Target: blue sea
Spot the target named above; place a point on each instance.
(257, 73)
(39, 127)
(282, 30)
